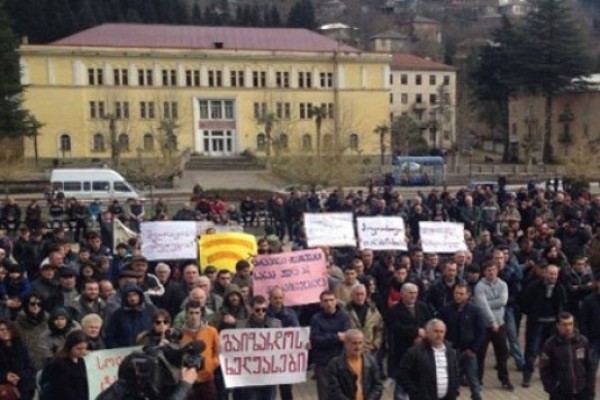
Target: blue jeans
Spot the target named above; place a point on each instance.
(399, 392)
(468, 368)
(513, 337)
(536, 334)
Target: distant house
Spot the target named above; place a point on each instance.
(390, 41)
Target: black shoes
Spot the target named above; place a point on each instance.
(526, 381)
(508, 387)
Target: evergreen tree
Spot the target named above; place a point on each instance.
(302, 15)
(196, 14)
(494, 78)
(273, 18)
(14, 120)
(552, 55)
(254, 16)
(86, 16)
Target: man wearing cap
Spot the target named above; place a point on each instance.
(67, 280)
(148, 282)
(47, 287)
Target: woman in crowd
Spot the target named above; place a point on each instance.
(16, 368)
(65, 377)
(32, 322)
(91, 325)
(156, 336)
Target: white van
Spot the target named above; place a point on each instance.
(92, 183)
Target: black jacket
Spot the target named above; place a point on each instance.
(566, 366)
(403, 328)
(417, 373)
(342, 380)
(536, 305)
(589, 317)
(323, 335)
(465, 329)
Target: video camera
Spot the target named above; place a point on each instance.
(149, 373)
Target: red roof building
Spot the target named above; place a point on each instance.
(404, 61)
(203, 38)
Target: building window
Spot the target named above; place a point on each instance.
(192, 77)
(261, 142)
(330, 110)
(307, 142)
(98, 144)
(236, 78)
(215, 78)
(418, 98)
(95, 76)
(170, 110)
(260, 110)
(283, 110)
(404, 98)
(148, 142)
(147, 109)
(446, 80)
(284, 143)
(391, 79)
(282, 79)
(216, 109)
(123, 141)
(327, 142)
(304, 79)
(432, 80)
(418, 79)
(326, 79)
(391, 98)
(122, 109)
(305, 110)
(65, 142)
(404, 79)
(120, 77)
(97, 109)
(145, 77)
(432, 99)
(169, 77)
(259, 78)
(354, 141)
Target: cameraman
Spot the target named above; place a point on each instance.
(125, 387)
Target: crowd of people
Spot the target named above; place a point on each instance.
(423, 320)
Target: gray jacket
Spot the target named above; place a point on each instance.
(491, 298)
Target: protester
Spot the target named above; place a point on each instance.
(16, 367)
(355, 374)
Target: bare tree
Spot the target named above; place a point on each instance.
(382, 130)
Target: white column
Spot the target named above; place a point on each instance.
(133, 74)
(203, 75)
(180, 74)
(226, 73)
(50, 71)
(24, 68)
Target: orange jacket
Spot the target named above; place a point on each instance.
(210, 336)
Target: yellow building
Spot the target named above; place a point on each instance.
(426, 91)
(575, 124)
(144, 88)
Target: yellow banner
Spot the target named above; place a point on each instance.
(224, 250)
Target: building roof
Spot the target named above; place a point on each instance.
(390, 34)
(424, 20)
(202, 37)
(404, 61)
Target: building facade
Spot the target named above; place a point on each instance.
(575, 125)
(214, 90)
(425, 90)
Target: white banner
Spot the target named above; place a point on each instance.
(258, 357)
(203, 226)
(102, 367)
(329, 229)
(169, 240)
(121, 233)
(381, 233)
(442, 237)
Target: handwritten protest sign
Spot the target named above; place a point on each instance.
(169, 240)
(224, 250)
(329, 229)
(302, 275)
(381, 233)
(102, 367)
(442, 237)
(257, 357)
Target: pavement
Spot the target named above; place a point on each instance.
(259, 180)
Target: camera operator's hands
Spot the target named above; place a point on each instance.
(189, 375)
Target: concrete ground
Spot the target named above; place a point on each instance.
(261, 180)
